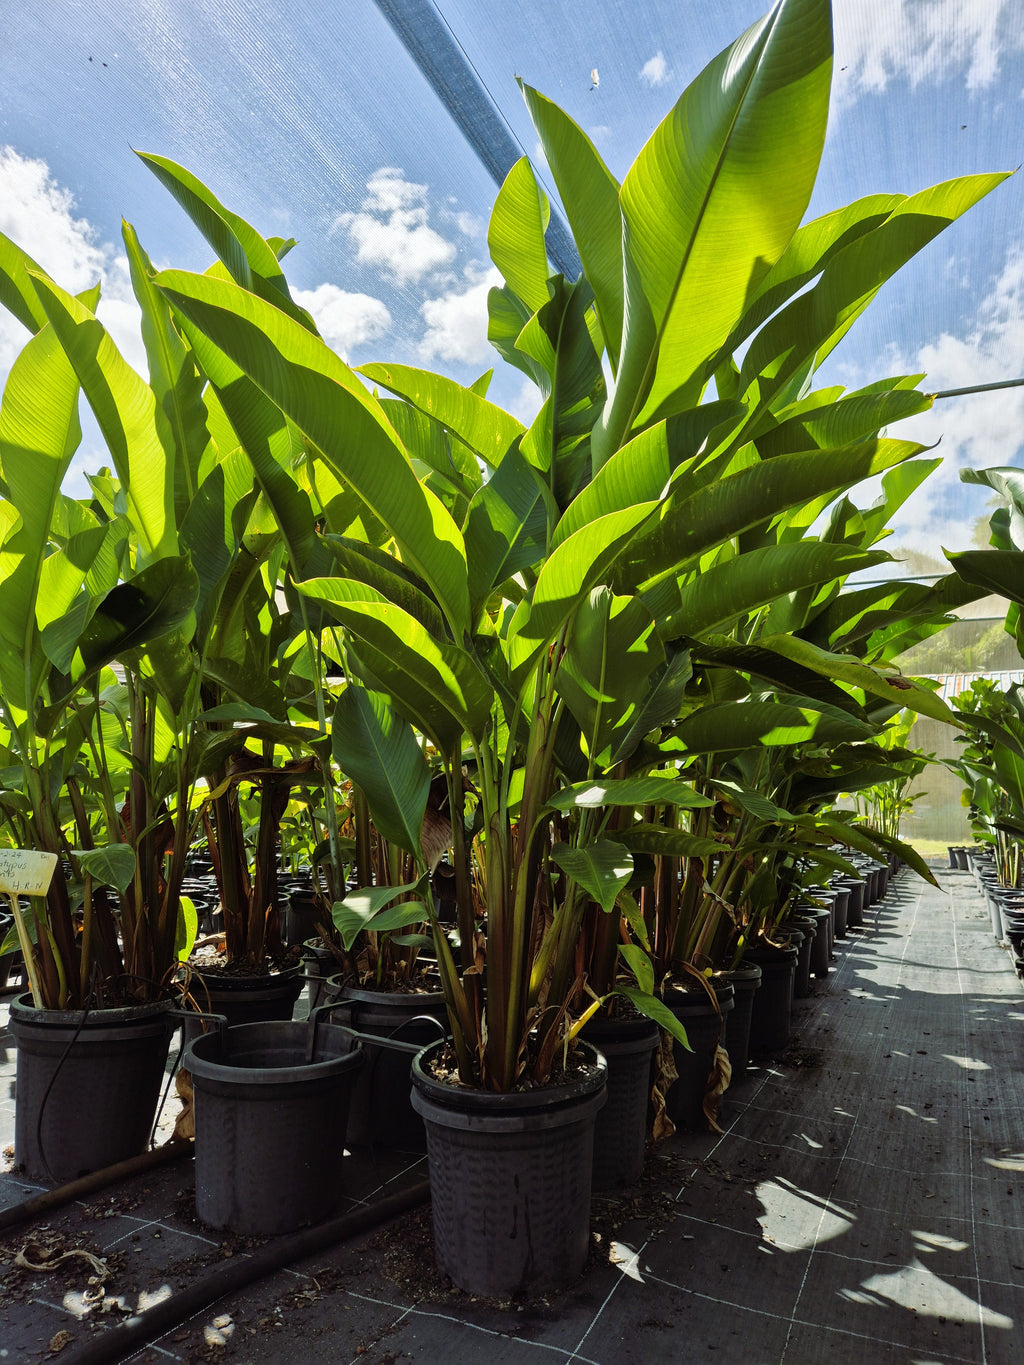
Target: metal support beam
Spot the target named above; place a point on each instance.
(432, 46)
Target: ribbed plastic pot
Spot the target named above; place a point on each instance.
(705, 1030)
(620, 1134)
(270, 1124)
(840, 909)
(855, 906)
(770, 1022)
(510, 1178)
(100, 1106)
(320, 964)
(800, 930)
(960, 858)
(298, 923)
(745, 980)
(247, 999)
(821, 947)
(382, 1114)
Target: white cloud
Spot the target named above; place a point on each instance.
(346, 321)
(39, 215)
(919, 40)
(457, 320)
(391, 231)
(975, 431)
(655, 72)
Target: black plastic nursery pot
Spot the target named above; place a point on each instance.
(510, 1178)
(87, 1085)
(620, 1133)
(705, 1030)
(382, 1112)
(800, 930)
(271, 1108)
(771, 1018)
(745, 981)
(246, 999)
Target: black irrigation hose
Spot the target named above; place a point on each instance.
(88, 1184)
(115, 1343)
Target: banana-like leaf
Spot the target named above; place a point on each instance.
(125, 410)
(841, 423)
(724, 594)
(809, 327)
(605, 670)
(17, 292)
(998, 571)
(154, 602)
(180, 411)
(327, 401)
(669, 843)
(734, 726)
(389, 577)
(361, 908)
(712, 202)
(590, 194)
(487, 430)
(629, 791)
(693, 522)
(906, 692)
(39, 432)
(379, 752)
(657, 1010)
(642, 469)
(515, 235)
(433, 682)
(568, 574)
(504, 528)
(602, 868)
(250, 259)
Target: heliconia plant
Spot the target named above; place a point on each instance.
(567, 616)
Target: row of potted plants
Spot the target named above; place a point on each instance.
(607, 662)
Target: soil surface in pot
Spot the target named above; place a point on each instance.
(443, 1068)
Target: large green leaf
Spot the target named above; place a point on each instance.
(268, 440)
(893, 687)
(590, 196)
(722, 595)
(154, 602)
(712, 202)
(125, 410)
(17, 293)
(39, 432)
(180, 412)
(515, 235)
(568, 574)
(250, 259)
(810, 326)
(329, 403)
(733, 726)
(602, 868)
(505, 527)
(611, 653)
(831, 424)
(367, 908)
(641, 470)
(486, 429)
(379, 752)
(111, 865)
(628, 791)
(692, 522)
(998, 571)
(435, 684)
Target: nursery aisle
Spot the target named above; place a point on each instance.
(864, 1203)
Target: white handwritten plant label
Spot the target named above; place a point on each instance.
(25, 872)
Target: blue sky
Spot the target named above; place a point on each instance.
(312, 121)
